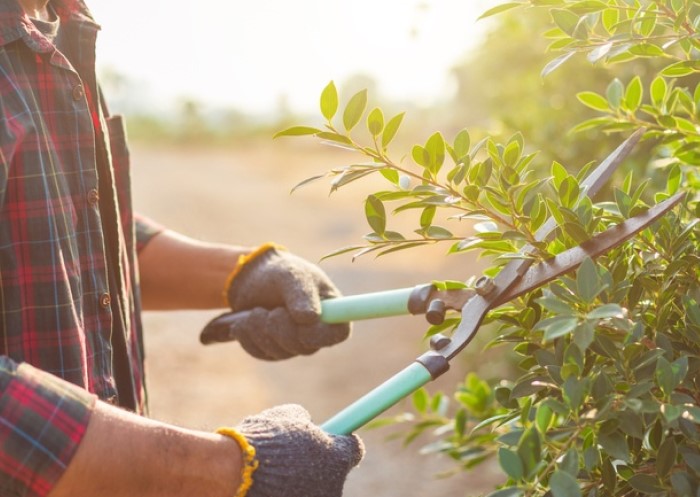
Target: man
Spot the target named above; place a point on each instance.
(74, 263)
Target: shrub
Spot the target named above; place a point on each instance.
(606, 400)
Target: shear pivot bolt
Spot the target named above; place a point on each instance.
(439, 342)
(484, 286)
(436, 311)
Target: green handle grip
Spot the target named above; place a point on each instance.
(378, 400)
(366, 306)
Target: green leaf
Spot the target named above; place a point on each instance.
(511, 463)
(584, 335)
(500, 8)
(566, 20)
(575, 391)
(334, 137)
(420, 156)
(329, 101)
(606, 311)
(438, 233)
(593, 100)
(391, 128)
(376, 214)
(680, 69)
(646, 50)
(588, 283)
(530, 450)
(562, 484)
(588, 6)
(375, 122)
(610, 18)
(647, 24)
(568, 192)
(614, 93)
(590, 124)
(599, 52)
(681, 483)
(555, 305)
(624, 202)
(664, 376)
(343, 250)
(420, 400)
(615, 444)
(354, 110)
(426, 218)
(435, 148)
(391, 175)
(570, 462)
(307, 181)
(673, 180)
(560, 327)
(511, 155)
(544, 417)
(634, 94)
(668, 451)
(658, 92)
(646, 484)
(297, 131)
(461, 144)
(554, 64)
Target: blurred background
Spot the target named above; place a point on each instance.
(205, 86)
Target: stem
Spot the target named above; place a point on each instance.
(672, 15)
(552, 463)
(383, 158)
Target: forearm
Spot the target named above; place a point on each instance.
(124, 455)
(178, 272)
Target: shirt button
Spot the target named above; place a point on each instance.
(78, 92)
(105, 300)
(93, 196)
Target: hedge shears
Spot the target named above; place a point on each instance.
(519, 276)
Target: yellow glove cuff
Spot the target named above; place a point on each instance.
(250, 464)
(242, 261)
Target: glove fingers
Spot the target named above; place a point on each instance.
(301, 296)
(350, 448)
(222, 328)
(249, 329)
(327, 290)
(261, 334)
(252, 348)
(286, 333)
(323, 335)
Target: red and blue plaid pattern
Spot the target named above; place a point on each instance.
(42, 421)
(69, 299)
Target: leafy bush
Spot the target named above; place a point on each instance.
(606, 402)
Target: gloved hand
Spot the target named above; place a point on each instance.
(286, 455)
(282, 296)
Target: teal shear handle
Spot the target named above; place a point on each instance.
(375, 305)
(370, 306)
(378, 400)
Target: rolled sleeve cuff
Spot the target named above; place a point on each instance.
(146, 229)
(42, 422)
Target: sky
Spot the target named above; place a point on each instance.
(249, 55)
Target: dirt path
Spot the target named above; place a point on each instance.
(241, 196)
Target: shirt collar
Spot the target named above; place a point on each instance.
(15, 24)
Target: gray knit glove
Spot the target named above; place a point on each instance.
(292, 456)
(281, 295)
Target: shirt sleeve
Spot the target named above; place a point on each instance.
(42, 422)
(146, 230)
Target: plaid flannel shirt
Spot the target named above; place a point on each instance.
(69, 299)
